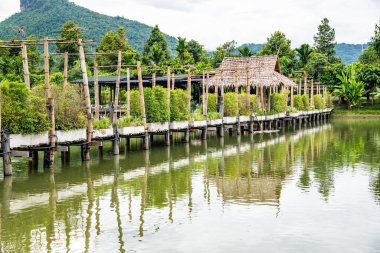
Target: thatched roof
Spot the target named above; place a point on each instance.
(258, 70)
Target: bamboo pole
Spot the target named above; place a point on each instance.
(96, 90)
(203, 93)
(189, 91)
(291, 97)
(268, 98)
(168, 87)
(305, 84)
(216, 92)
(154, 80)
(65, 68)
(287, 96)
(117, 89)
(221, 102)
(262, 97)
(206, 92)
(46, 72)
(25, 64)
(248, 91)
(86, 155)
(299, 86)
(237, 90)
(312, 93)
(128, 92)
(141, 92)
(173, 81)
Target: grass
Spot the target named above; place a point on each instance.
(366, 110)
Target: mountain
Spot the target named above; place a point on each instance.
(46, 17)
(348, 52)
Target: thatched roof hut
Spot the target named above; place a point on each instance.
(256, 70)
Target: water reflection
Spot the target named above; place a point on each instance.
(115, 203)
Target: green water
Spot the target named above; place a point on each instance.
(316, 189)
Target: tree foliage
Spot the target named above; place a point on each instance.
(156, 48)
(324, 40)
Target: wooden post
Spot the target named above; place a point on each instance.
(248, 91)
(258, 97)
(141, 92)
(128, 92)
(5, 146)
(173, 81)
(287, 96)
(268, 98)
(216, 91)
(262, 97)
(291, 97)
(206, 92)
(86, 155)
(168, 87)
(312, 93)
(305, 84)
(65, 68)
(96, 90)
(189, 91)
(299, 87)
(117, 89)
(238, 130)
(153, 80)
(49, 154)
(47, 73)
(203, 93)
(25, 64)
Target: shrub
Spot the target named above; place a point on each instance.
(22, 113)
(231, 107)
(196, 116)
(278, 103)
(212, 103)
(161, 103)
(130, 122)
(69, 109)
(318, 102)
(214, 115)
(101, 123)
(254, 105)
(306, 103)
(328, 101)
(135, 103)
(178, 105)
(244, 108)
(298, 102)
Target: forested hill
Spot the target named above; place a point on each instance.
(348, 52)
(46, 17)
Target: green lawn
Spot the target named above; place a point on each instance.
(367, 109)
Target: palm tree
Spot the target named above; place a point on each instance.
(304, 53)
(181, 48)
(245, 52)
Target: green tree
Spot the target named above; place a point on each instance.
(197, 51)
(304, 53)
(370, 76)
(183, 55)
(317, 64)
(324, 40)
(114, 42)
(156, 48)
(375, 40)
(222, 51)
(70, 31)
(245, 52)
(34, 56)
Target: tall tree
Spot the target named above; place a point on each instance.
(197, 51)
(222, 51)
(183, 55)
(114, 42)
(70, 31)
(157, 41)
(324, 40)
(304, 54)
(375, 40)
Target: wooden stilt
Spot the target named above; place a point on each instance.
(49, 154)
(173, 81)
(86, 155)
(153, 80)
(186, 136)
(65, 68)
(128, 92)
(168, 87)
(25, 64)
(204, 134)
(141, 93)
(203, 94)
(305, 84)
(116, 141)
(189, 91)
(291, 97)
(96, 90)
(206, 93)
(167, 138)
(312, 93)
(5, 146)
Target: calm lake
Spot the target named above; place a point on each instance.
(314, 189)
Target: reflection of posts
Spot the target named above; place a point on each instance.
(50, 231)
(5, 146)
(90, 198)
(143, 194)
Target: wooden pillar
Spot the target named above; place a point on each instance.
(173, 81)
(291, 97)
(312, 93)
(153, 80)
(206, 92)
(141, 92)
(47, 73)
(299, 87)
(5, 146)
(96, 90)
(216, 91)
(168, 86)
(65, 68)
(248, 91)
(262, 97)
(86, 155)
(189, 91)
(25, 64)
(117, 89)
(203, 94)
(287, 96)
(49, 154)
(268, 98)
(305, 84)
(128, 92)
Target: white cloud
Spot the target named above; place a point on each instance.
(213, 22)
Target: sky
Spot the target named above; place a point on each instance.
(212, 22)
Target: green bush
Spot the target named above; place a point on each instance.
(278, 103)
(130, 122)
(244, 108)
(101, 123)
(254, 105)
(212, 103)
(318, 102)
(298, 102)
(328, 101)
(22, 113)
(156, 105)
(306, 102)
(69, 109)
(214, 115)
(179, 109)
(231, 107)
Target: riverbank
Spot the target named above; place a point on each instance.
(368, 111)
